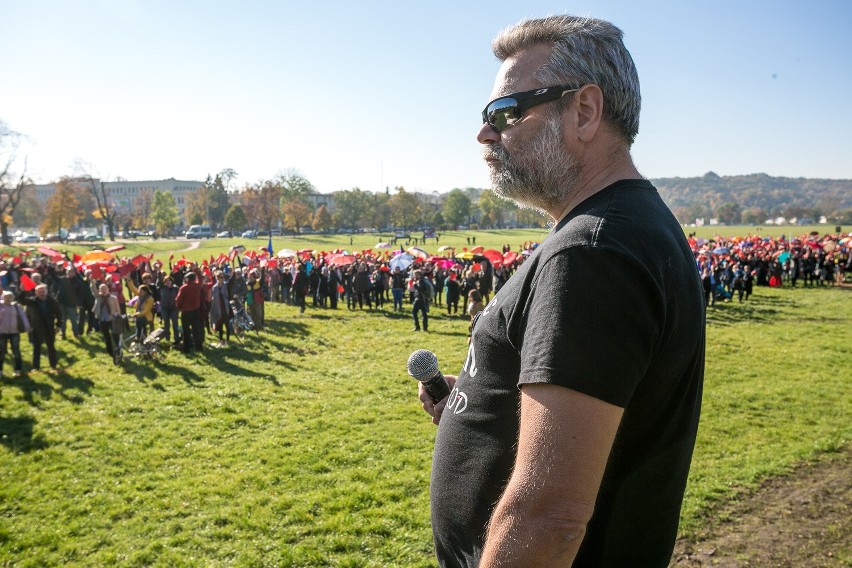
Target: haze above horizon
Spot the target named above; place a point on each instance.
(374, 95)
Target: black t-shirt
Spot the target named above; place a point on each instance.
(610, 305)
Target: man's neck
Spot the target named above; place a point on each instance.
(596, 177)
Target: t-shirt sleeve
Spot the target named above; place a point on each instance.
(590, 324)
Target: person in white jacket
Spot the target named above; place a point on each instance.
(13, 321)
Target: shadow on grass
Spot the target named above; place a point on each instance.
(757, 309)
(33, 391)
(150, 370)
(16, 433)
(232, 369)
(288, 327)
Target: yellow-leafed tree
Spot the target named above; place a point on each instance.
(63, 208)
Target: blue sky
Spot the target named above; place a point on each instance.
(371, 94)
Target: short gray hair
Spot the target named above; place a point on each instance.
(585, 50)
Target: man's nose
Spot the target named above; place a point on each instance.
(487, 135)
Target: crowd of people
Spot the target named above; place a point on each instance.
(48, 295)
(731, 267)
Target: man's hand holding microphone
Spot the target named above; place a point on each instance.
(434, 388)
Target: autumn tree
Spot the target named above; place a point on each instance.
(216, 197)
(493, 209)
(404, 208)
(531, 217)
(12, 185)
(235, 218)
(164, 212)
(295, 214)
(62, 209)
(351, 208)
(261, 203)
(381, 211)
(322, 219)
(249, 201)
(456, 209)
(103, 208)
(195, 208)
(29, 212)
(295, 186)
(142, 208)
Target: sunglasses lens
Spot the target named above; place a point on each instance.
(502, 113)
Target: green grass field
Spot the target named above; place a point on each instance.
(307, 445)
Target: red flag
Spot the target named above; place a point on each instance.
(138, 259)
(77, 258)
(96, 272)
(171, 256)
(126, 269)
(211, 260)
(16, 260)
(26, 283)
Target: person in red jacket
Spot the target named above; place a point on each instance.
(189, 304)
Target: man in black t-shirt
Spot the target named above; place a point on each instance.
(567, 437)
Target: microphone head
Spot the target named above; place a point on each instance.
(422, 365)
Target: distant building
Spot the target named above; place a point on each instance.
(123, 194)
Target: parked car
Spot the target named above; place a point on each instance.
(223, 235)
(92, 238)
(250, 234)
(27, 238)
(51, 238)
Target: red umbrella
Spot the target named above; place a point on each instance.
(495, 256)
(510, 257)
(477, 249)
(342, 259)
(435, 259)
(53, 254)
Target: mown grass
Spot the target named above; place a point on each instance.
(307, 446)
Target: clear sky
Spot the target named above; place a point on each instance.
(371, 94)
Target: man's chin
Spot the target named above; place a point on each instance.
(519, 197)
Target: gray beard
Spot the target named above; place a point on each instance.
(542, 178)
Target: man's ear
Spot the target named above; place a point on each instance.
(588, 111)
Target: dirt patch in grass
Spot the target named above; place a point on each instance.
(801, 519)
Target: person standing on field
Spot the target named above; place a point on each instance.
(567, 437)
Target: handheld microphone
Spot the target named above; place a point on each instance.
(423, 366)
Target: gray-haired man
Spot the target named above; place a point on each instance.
(568, 435)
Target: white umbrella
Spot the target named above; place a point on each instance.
(287, 253)
(416, 251)
(401, 261)
(382, 246)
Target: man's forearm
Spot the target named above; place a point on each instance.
(519, 535)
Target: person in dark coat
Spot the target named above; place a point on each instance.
(45, 315)
(168, 309)
(69, 294)
(300, 287)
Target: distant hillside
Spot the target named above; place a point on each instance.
(756, 197)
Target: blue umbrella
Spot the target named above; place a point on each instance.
(720, 250)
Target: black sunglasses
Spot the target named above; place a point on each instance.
(502, 113)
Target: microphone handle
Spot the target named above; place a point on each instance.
(437, 387)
